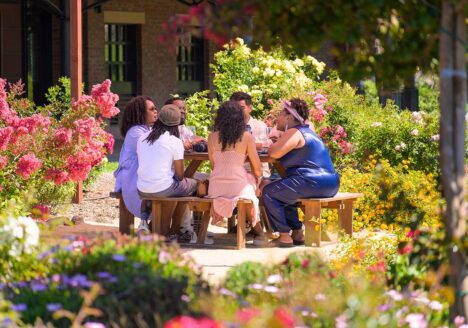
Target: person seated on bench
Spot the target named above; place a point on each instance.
(228, 147)
(309, 172)
(137, 118)
(161, 164)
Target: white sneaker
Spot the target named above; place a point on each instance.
(209, 241)
(143, 228)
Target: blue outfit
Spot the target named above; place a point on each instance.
(126, 173)
(309, 174)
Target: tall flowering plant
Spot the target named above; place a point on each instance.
(38, 148)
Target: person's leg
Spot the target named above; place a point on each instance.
(276, 197)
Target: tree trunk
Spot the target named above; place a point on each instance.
(452, 145)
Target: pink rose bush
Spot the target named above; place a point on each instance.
(39, 147)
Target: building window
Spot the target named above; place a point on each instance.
(120, 52)
(120, 55)
(190, 64)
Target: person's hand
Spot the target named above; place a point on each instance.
(187, 144)
(196, 139)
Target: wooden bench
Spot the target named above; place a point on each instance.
(126, 218)
(312, 208)
(195, 204)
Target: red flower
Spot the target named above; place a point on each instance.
(284, 317)
(189, 322)
(40, 212)
(413, 234)
(406, 249)
(3, 162)
(5, 135)
(305, 263)
(245, 315)
(378, 267)
(27, 165)
(57, 176)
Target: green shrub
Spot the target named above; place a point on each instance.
(142, 282)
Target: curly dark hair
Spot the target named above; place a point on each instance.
(230, 123)
(301, 107)
(159, 128)
(134, 114)
(239, 95)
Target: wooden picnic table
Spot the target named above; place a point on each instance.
(196, 159)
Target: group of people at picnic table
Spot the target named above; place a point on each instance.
(152, 164)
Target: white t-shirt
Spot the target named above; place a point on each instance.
(156, 162)
(185, 133)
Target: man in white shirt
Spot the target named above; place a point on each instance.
(256, 127)
(187, 136)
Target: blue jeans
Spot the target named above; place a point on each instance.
(280, 198)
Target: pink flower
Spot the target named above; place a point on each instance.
(3, 162)
(105, 100)
(5, 111)
(458, 321)
(5, 135)
(416, 320)
(189, 322)
(378, 267)
(413, 233)
(57, 176)
(245, 315)
(284, 317)
(109, 145)
(62, 137)
(406, 249)
(40, 212)
(27, 165)
(85, 127)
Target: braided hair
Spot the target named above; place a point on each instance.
(134, 114)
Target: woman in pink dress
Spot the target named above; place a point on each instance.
(229, 146)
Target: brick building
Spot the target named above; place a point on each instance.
(120, 42)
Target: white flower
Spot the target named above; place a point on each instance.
(255, 69)
(275, 278)
(278, 73)
(435, 137)
(240, 41)
(298, 62)
(243, 88)
(403, 145)
(376, 124)
(320, 297)
(268, 72)
(397, 147)
(20, 235)
(271, 289)
(416, 320)
(396, 296)
(417, 117)
(437, 306)
(289, 67)
(415, 132)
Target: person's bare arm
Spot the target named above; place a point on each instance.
(253, 155)
(179, 168)
(211, 150)
(291, 139)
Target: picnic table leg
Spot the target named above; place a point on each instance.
(156, 213)
(312, 218)
(203, 227)
(241, 217)
(125, 217)
(345, 216)
(231, 223)
(192, 168)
